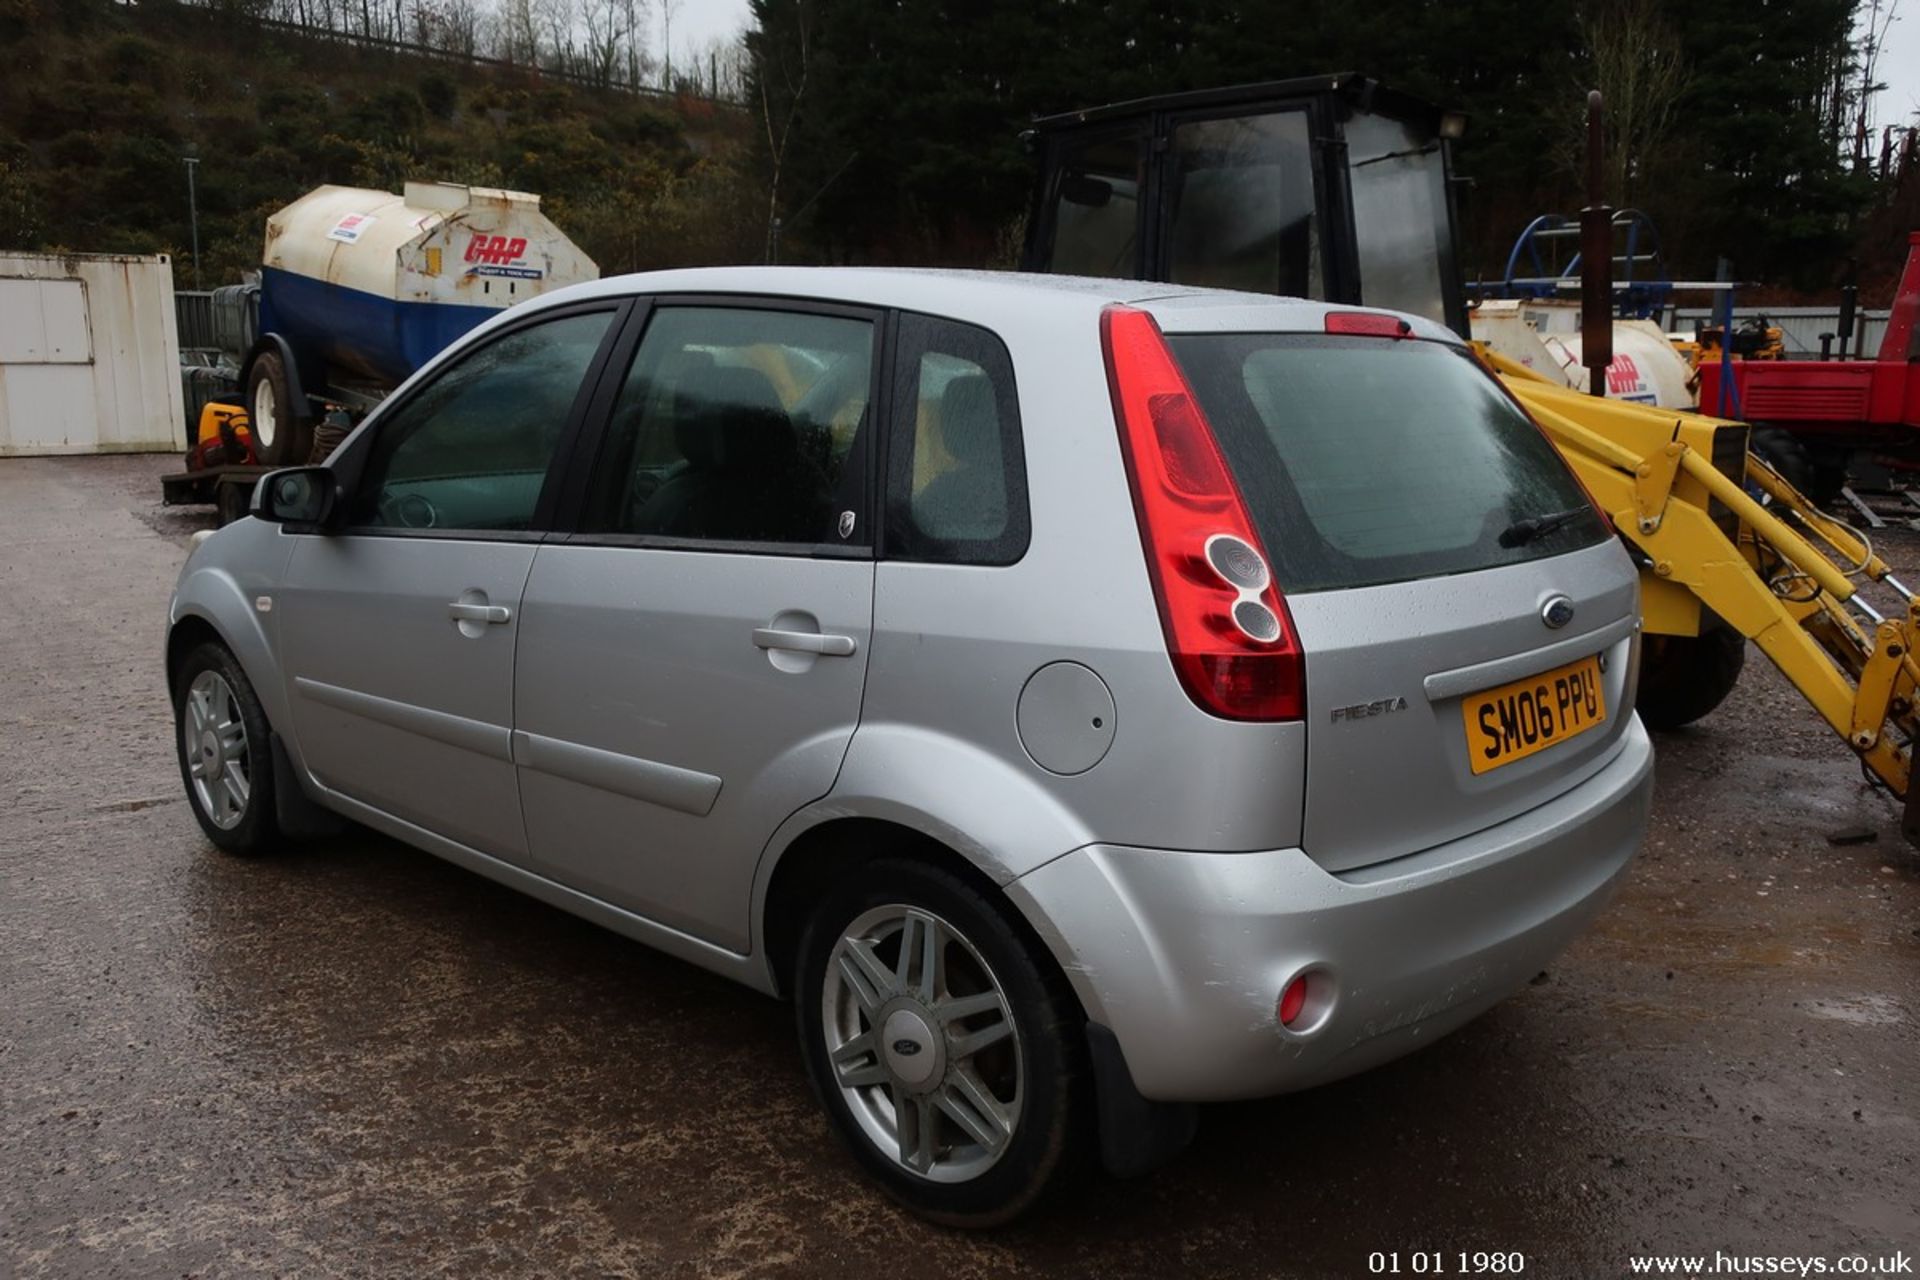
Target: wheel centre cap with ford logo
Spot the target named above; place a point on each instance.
(906, 1040)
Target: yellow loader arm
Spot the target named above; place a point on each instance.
(1781, 572)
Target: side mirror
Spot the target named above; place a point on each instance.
(297, 495)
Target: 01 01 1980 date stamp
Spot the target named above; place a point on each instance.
(1439, 1262)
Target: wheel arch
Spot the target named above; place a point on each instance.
(905, 789)
(210, 605)
(823, 853)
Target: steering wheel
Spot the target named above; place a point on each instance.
(409, 511)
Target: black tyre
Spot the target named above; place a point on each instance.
(226, 760)
(1829, 475)
(961, 1085)
(1684, 677)
(1783, 452)
(232, 501)
(282, 434)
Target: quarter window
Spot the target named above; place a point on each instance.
(956, 484)
(740, 425)
(471, 449)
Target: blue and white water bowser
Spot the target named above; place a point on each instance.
(359, 288)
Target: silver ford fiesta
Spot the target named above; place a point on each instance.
(1084, 699)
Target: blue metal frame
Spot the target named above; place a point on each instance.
(1639, 299)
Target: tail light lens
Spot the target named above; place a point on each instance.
(1229, 635)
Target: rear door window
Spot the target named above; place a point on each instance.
(740, 425)
(1367, 461)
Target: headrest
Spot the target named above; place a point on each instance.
(731, 419)
(970, 421)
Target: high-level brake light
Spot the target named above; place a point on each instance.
(1368, 324)
(1228, 632)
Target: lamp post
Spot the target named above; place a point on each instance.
(193, 213)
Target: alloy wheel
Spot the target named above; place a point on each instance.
(922, 1044)
(214, 738)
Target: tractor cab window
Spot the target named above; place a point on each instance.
(1398, 182)
(1096, 208)
(1241, 208)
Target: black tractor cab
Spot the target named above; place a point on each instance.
(1331, 187)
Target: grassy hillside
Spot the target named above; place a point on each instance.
(102, 103)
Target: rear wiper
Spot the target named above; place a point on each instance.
(1521, 532)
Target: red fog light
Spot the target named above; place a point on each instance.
(1293, 1000)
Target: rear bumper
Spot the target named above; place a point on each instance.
(1183, 955)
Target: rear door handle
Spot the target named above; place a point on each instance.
(494, 613)
(803, 642)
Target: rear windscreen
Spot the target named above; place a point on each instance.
(1370, 460)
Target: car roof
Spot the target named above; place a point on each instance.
(981, 296)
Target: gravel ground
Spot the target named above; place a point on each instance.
(356, 1060)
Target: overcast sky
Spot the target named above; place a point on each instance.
(1899, 67)
(698, 21)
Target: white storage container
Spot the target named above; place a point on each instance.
(89, 354)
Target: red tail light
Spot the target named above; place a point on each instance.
(1228, 632)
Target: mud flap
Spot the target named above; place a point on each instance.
(298, 817)
(1136, 1136)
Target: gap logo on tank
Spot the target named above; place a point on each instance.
(500, 256)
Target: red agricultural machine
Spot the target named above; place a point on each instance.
(1837, 409)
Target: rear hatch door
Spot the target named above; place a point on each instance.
(1467, 619)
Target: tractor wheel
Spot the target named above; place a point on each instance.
(282, 437)
(1684, 677)
(232, 501)
(1783, 451)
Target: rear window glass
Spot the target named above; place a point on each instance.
(1367, 460)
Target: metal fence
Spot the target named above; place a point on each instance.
(215, 322)
(1800, 327)
(217, 329)
(193, 308)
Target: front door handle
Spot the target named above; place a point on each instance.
(460, 611)
(803, 642)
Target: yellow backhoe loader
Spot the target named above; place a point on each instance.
(1773, 569)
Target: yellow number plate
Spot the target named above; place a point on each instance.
(1514, 721)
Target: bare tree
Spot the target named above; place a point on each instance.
(634, 12)
(792, 78)
(519, 32)
(460, 27)
(557, 21)
(1639, 67)
(667, 9)
(1878, 20)
(607, 38)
